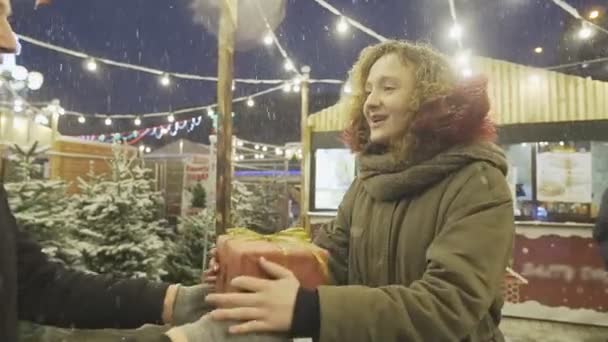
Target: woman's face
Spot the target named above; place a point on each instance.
(389, 87)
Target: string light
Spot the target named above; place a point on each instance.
(288, 65)
(19, 73)
(165, 80)
(342, 25)
(296, 88)
(257, 146)
(82, 119)
(137, 121)
(265, 148)
(91, 65)
(585, 32)
(278, 151)
(268, 39)
(594, 14)
(286, 87)
(108, 121)
(35, 80)
(456, 32)
(171, 118)
(250, 102)
(538, 49)
(148, 150)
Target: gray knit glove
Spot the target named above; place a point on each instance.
(190, 304)
(207, 329)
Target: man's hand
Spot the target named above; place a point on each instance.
(267, 306)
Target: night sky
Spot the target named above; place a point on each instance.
(162, 34)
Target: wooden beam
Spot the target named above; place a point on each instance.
(227, 30)
(305, 167)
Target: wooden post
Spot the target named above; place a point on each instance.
(224, 96)
(305, 166)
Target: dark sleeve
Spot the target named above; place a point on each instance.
(50, 294)
(306, 315)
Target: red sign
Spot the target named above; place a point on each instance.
(562, 272)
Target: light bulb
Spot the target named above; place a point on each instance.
(35, 80)
(268, 39)
(257, 147)
(60, 110)
(91, 65)
(82, 119)
(456, 31)
(288, 65)
(19, 73)
(165, 80)
(265, 148)
(148, 150)
(286, 88)
(137, 121)
(278, 151)
(538, 49)
(594, 14)
(296, 88)
(142, 148)
(108, 121)
(585, 32)
(250, 102)
(171, 118)
(342, 25)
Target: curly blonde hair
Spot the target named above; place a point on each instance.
(434, 77)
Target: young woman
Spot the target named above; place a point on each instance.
(422, 238)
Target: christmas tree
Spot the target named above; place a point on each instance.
(121, 220)
(193, 240)
(256, 206)
(42, 209)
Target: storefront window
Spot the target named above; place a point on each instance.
(557, 181)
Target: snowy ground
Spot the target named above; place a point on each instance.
(516, 330)
(523, 330)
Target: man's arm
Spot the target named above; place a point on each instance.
(48, 293)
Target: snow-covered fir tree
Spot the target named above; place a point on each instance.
(121, 220)
(256, 205)
(193, 240)
(42, 209)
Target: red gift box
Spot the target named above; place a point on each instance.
(240, 250)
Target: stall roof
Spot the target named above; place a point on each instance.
(518, 94)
